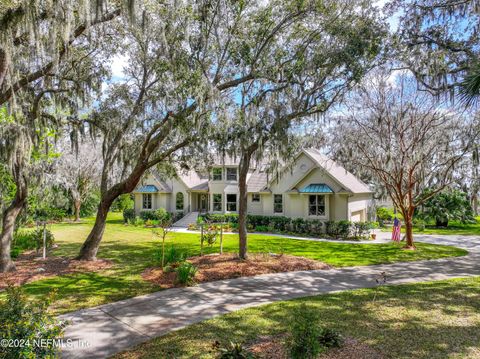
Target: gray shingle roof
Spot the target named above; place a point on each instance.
(257, 182)
(345, 178)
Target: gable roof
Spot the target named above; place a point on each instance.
(257, 182)
(350, 182)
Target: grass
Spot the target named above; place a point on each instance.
(423, 321)
(132, 250)
(454, 228)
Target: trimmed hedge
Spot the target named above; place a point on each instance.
(333, 229)
(130, 217)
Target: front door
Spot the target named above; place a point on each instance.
(202, 207)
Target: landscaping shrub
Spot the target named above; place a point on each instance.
(329, 338)
(446, 206)
(129, 215)
(192, 227)
(261, 229)
(24, 240)
(148, 215)
(38, 238)
(138, 222)
(340, 229)
(384, 215)
(303, 342)
(122, 202)
(232, 351)
(15, 252)
(361, 230)
(186, 273)
(30, 321)
(172, 255)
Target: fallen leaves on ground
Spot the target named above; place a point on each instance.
(31, 267)
(268, 347)
(214, 267)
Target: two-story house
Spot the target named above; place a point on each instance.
(313, 187)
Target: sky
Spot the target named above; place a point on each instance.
(119, 62)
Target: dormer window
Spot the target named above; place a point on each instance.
(231, 174)
(217, 173)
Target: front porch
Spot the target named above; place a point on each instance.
(199, 202)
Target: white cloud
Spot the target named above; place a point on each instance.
(119, 62)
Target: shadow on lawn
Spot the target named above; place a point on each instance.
(433, 320)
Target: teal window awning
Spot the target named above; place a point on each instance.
(150, 188)
(316, 188)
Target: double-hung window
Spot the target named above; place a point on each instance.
(255, 197)
(231, 202)
(147, 201)
(217, 173)
(231, 174)
(217, 202)
(277, 203)
(316, 205)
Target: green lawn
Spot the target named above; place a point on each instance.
(454, 227)
(132, 249)
(423, 321)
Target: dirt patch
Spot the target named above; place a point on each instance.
(30, 268)
(268, 347)
(217, 267)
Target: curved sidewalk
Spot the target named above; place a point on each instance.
(114, 327)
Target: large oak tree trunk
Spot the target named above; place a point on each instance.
(242, 208)
(77, 204)
(89, 249)
(3, 66)
(8, 225)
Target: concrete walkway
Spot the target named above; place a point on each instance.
(114, 327)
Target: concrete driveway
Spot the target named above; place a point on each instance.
(111, 328)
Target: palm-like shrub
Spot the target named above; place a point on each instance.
(446, 206)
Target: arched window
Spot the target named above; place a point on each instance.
(179, 201)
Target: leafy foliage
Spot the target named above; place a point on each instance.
(129, 215)
(25, 319)
(303, 342)
(446, 206)
(122, 203)
(232, 351)
(186, 273)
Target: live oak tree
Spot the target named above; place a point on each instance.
(40, 36)
(308, 64)
(439, 42)
(155, 115)
(77, 170)
(184, 61)
(406, 139)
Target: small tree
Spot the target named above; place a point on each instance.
(165, 225)
(446, 206)
(26, 320)
(406, 139)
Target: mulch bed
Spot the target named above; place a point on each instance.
(225, 266)
(31, 267)
(268, 347)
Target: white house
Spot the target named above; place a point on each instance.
(314, 187)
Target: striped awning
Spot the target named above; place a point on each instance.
(150, 188)
(316, 188)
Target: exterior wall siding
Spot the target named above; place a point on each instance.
(338, 205)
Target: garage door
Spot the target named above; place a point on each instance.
(356, 216)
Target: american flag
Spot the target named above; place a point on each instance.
(396, 230)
